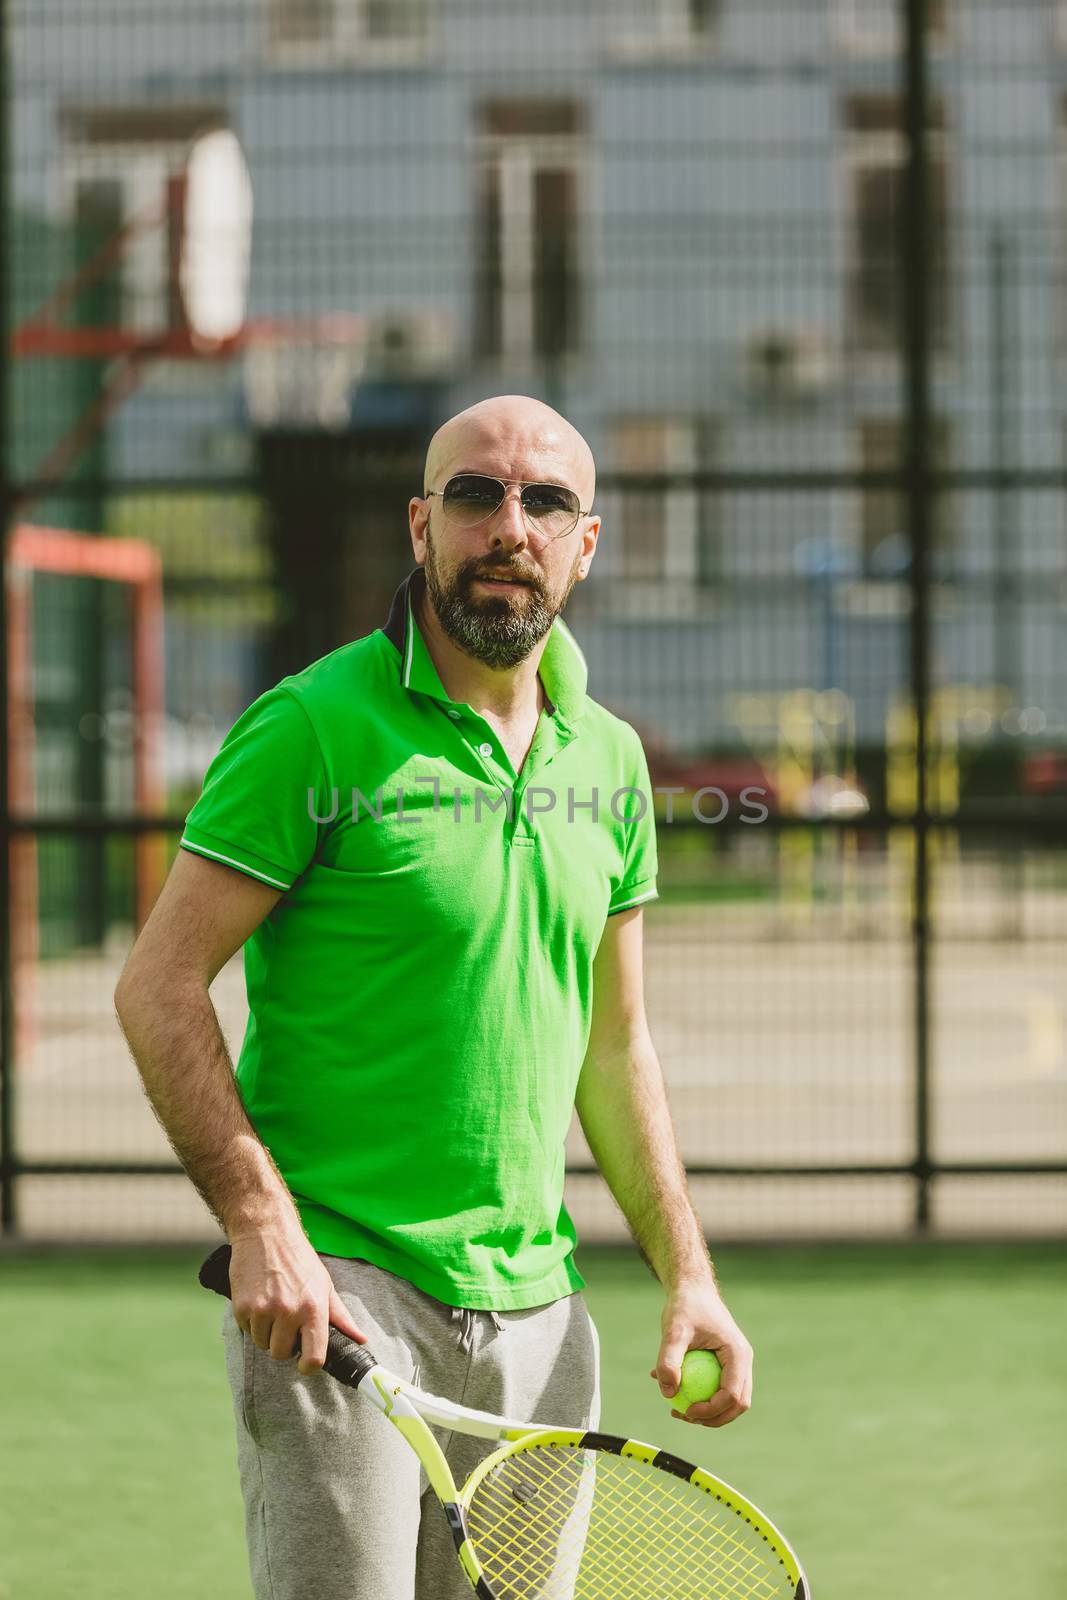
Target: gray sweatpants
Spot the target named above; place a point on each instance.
(337, 1506)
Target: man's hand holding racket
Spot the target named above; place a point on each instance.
(283, 1297)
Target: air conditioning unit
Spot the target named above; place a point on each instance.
(410, 344)
(787, 364)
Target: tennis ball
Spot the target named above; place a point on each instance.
(701, 1374)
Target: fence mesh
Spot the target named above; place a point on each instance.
(799, 274)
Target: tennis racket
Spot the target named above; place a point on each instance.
(564, 1514)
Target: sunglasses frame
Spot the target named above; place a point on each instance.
(505, 485)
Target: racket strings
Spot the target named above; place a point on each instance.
(568, 1523)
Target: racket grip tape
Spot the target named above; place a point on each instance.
(346, 1360)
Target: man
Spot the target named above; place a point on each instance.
(435, 848)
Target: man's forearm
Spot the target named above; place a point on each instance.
(622, 1104)
(177, 1043)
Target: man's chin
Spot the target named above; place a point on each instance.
(480, 606)
(485, 635)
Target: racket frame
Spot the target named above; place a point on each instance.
(411, 1410)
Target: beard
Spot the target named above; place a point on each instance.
(497, 629)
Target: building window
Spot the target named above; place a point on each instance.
(884, 542)
(528, 288)
(873, 27)
(875, 156)
(326, 31)
(666, 27)
(669, 533)
(302, 21)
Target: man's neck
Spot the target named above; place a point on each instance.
(510, 694)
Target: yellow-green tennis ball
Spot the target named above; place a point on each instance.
(701, 1374)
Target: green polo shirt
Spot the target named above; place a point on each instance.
(420, 995)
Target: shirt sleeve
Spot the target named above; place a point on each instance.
(264, 801)
(638, 881)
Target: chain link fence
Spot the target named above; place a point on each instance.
(799, 274)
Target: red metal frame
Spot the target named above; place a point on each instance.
(46, 340)
(132, 351)
(130, 561)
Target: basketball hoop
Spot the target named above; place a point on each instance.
(208, 205)
(298, 370)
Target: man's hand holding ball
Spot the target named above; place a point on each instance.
(701, 1375)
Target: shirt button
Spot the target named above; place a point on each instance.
(485, 749)
(453, 712)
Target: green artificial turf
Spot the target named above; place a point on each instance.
(909, 1411)
(907, 1428)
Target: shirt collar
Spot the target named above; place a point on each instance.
(563, 669)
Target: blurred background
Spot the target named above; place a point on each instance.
(803, 286)
(798, 271)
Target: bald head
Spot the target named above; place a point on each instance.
(514, 437)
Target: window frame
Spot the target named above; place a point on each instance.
(1059, 207)
(856, 149)
(665, 42)
(141, 169)
(879, 42)
(346, 41)
(141, 173)
(944, 529)
(518, 157)
(684, 540)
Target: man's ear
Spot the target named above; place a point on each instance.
(418, 516)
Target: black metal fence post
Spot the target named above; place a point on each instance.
(915, 267)
(1006, 455)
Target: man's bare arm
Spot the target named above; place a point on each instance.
(202, 917)
(204, 914)
(623, 1109)
(622, 1104)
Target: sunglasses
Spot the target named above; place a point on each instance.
(551, 509)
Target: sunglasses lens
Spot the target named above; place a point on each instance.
(469, 499)
(551, 508)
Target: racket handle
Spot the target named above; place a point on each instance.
(346, 1360)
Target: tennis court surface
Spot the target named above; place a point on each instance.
(907, 1428)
